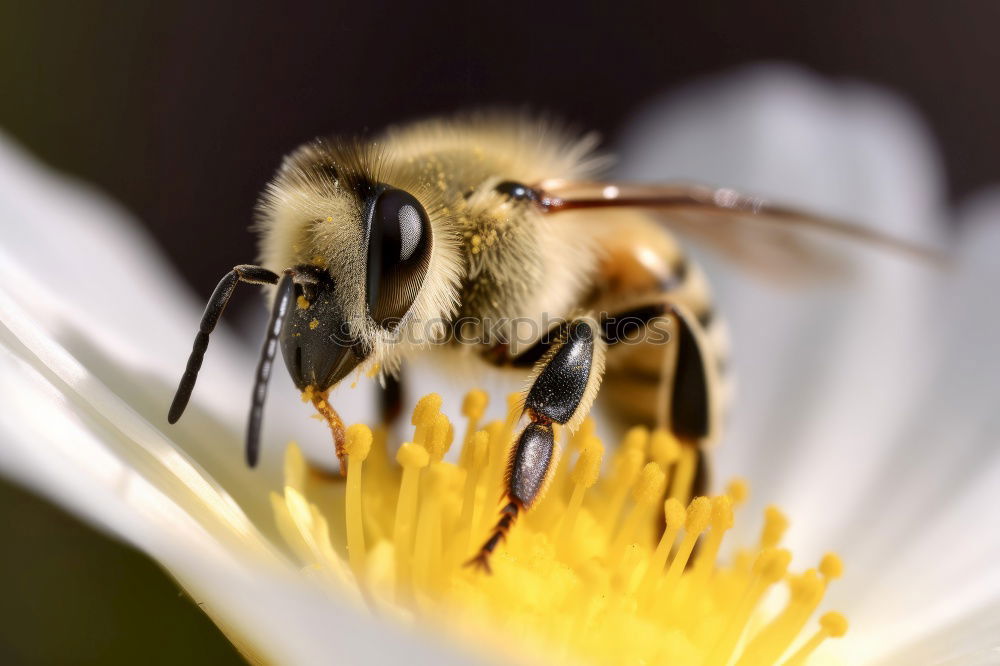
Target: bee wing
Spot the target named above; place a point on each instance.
(769, 239)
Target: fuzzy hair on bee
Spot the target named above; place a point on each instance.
(494, 233)
(311, 213)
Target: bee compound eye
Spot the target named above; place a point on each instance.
(399, 244)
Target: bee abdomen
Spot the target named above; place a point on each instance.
(667, 343)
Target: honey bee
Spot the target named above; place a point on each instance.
(413, 240)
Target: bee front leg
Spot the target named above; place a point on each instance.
(561, 390)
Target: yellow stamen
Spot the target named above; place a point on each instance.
(412, 459)
(584, 475)
(560, 482)
(769, 568)
(423, 418)
(646, 493)
(501, 440)
(684, 475)
(378, 463)
(471, 507)
(637, 438)
(427, 541)
(722, 520)
(358, 443)
(832, 625)
(738, 490)
(585, 576)
(806, 591)
(664, 448)
(439, 436)
(473, 408)
(831, 567)
(699, 513)
(628, 462)
(775, 525)
(675, 517)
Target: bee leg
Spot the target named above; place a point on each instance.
(689, 405)
(688, 379)
(390, 400)
(561, 391)
(692, 413)
(693, 392)
(683, 393)
(244, 273)
(702, 474)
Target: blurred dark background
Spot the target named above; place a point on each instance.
(182, 110)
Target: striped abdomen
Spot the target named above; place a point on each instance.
(667, 346)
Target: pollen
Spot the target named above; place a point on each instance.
(617, 563)
(302, 302)
(313, 324)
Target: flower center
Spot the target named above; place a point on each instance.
(616, 567)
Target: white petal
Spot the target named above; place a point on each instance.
(970, 640)
(937, 528)
(257, 599)
(67, 437)
(101, 275)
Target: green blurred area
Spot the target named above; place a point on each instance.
(74, 78)
(73, 596)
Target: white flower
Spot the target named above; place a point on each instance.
(864, 409)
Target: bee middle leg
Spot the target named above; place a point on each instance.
(668, 381)
(562, 388)
(390, 400)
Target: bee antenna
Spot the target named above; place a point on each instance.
(278, 313)
(244, 273)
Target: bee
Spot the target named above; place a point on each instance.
(497, 234)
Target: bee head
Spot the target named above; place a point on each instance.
(372, 267)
